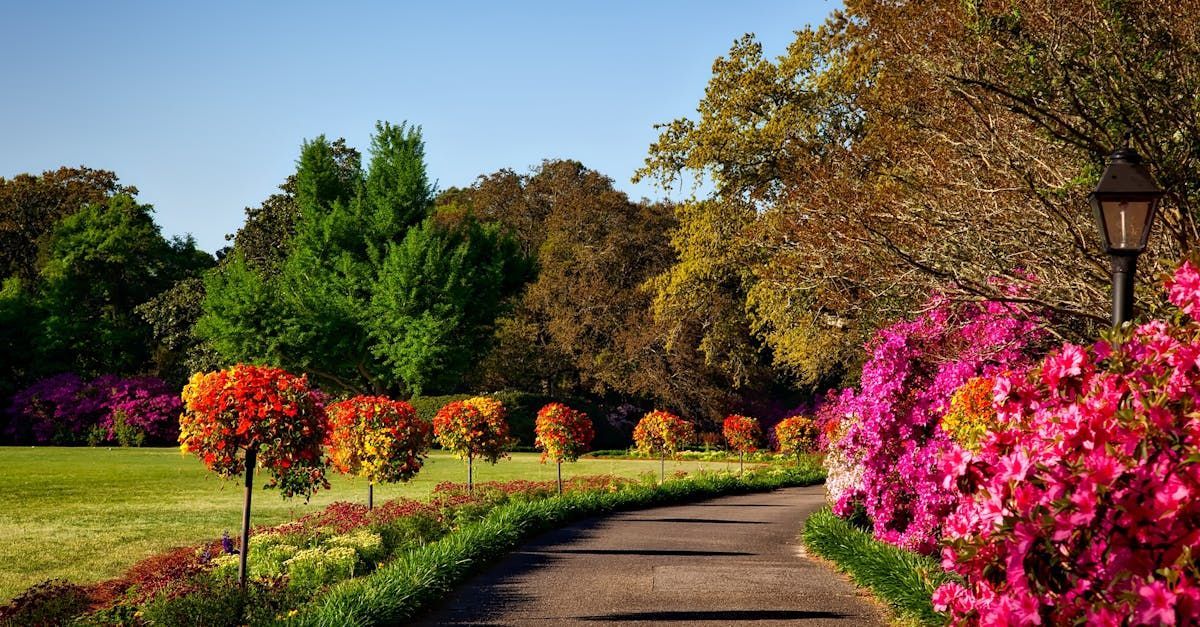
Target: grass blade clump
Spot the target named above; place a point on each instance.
(902, 579)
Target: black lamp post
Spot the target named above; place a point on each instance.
(1124, 202)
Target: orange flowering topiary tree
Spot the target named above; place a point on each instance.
(662, 433)
(243, 417)
(374, 437)
(473, 428)
(742, 434)
(563, 434)
(796, 435)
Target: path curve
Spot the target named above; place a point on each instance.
(726, 561)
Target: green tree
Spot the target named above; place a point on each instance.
(355, 237)
(264, 239)
(440, 291)
(101, 263)
(31, 205)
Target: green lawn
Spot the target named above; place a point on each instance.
(86, 514)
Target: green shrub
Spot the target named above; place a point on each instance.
(413, 529)
(902, 579)
(368, 545)
(215, 600)
(312, 568)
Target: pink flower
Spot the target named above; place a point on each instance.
(1067, 362)
(1156, 604)
(1183, 289)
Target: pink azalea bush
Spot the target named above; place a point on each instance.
(885, 438)
(1084, 508)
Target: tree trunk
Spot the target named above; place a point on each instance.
(470, 475)
(741, 462)
(662, 469)
(251, 461)
(560, 478)
(370, 495)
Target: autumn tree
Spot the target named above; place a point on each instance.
(942, 143)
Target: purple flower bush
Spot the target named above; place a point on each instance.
(65, 409)
(888, 445)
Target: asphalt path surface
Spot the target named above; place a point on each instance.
(734, 560)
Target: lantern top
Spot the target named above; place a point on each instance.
(1126, 174)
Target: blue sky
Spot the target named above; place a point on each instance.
(203, 106)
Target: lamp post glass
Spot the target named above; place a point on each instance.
(1124, 203)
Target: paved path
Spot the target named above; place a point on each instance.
(727, 561)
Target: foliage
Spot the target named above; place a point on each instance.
(438, 293)
(65, 409)
(1081, 508)
(31, 205)
(742, 433)
(474, 428)
(263, 240)
(903, 580)
(171, 316)
(585, 325)
(662, 433)
(372, 295)
(899, 147)
(563, 433)
(101, 263)
(377, 438)
(256, 407)
(797, 434)
(913, 369)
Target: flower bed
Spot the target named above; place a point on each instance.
(293, 562)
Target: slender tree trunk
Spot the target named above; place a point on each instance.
(251, 461)
(741, 462)
(662, 469)
(370, 495)
(560, 478)
(470, 475)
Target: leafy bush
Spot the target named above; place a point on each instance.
(563, 434)
(1083, 508)
(795, 435)
(66, 410)
(662, 433)
(892, 429)
(265, 409)
(377, 438)
(312, 568)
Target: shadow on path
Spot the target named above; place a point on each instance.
(677, 552)
(738, 616)
(708, 521)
